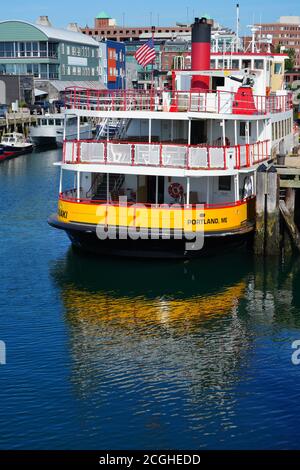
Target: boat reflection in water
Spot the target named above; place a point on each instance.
(164, 350)
(136, 314)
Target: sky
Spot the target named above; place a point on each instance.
(62, 12)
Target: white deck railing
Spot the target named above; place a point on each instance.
(166, 155)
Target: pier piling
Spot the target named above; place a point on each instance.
(260, 233)
(272, 213)
(267, 234)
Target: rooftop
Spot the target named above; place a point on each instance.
(103, 16)
(57, 33)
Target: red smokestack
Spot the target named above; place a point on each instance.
(201, 39)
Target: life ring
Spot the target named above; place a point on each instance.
(176, 190)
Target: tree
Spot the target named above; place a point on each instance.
(290, 63)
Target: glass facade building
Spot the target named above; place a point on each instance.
(47, 53)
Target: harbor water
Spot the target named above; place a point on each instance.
(138, 354)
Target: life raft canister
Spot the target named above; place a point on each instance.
(176, 190)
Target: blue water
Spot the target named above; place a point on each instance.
(126, 354)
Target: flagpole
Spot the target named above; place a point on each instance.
(152, 75)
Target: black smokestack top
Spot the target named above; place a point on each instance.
(201, 31)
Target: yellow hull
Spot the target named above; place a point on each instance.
(197, 219)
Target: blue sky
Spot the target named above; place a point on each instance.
(137, 12)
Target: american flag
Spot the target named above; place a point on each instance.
(146, 53)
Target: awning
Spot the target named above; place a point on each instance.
(38, 92)
(61, 85)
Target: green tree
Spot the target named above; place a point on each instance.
(290, 63)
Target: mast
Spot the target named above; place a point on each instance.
(237, 27)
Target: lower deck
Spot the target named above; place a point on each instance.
(222, 190)
(212, 205)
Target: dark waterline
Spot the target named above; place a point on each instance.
(122, 354)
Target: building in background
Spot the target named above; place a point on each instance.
(284, 35)
(112, 64)
(16, 88)
(103, 62)
(138, 76)
(56, 58)
(106, 27)
(116, 65)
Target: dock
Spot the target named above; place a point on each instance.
(276, 212)
(18, 122)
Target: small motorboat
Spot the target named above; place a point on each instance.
(14, 144)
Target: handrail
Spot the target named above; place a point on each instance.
(165, 206)
(211, 157)
(213, 101)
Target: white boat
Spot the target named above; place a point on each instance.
(49, 130)
(14, 144)
(178, 179)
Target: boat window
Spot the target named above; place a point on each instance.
(58, 122)
(243, 128)
(44, 122)
(51, 122)
(246, 64)
(224, 183)
(259, 64)
(277, 68)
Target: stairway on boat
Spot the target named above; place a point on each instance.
(99, 190)
(112, 128)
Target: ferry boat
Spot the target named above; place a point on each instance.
(178, 178)
(14, 144)
(49, 131)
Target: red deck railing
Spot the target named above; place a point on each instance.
(70, 196)
(165, 155)
(212, 101)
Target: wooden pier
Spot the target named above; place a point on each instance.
(17, 122)
(276, 227)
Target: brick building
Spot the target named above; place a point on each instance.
(285, 34)
(106, 27)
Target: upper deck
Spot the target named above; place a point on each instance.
(228, 103)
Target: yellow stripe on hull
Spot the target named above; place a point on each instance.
(217, 219)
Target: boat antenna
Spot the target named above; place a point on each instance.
(237, 27)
